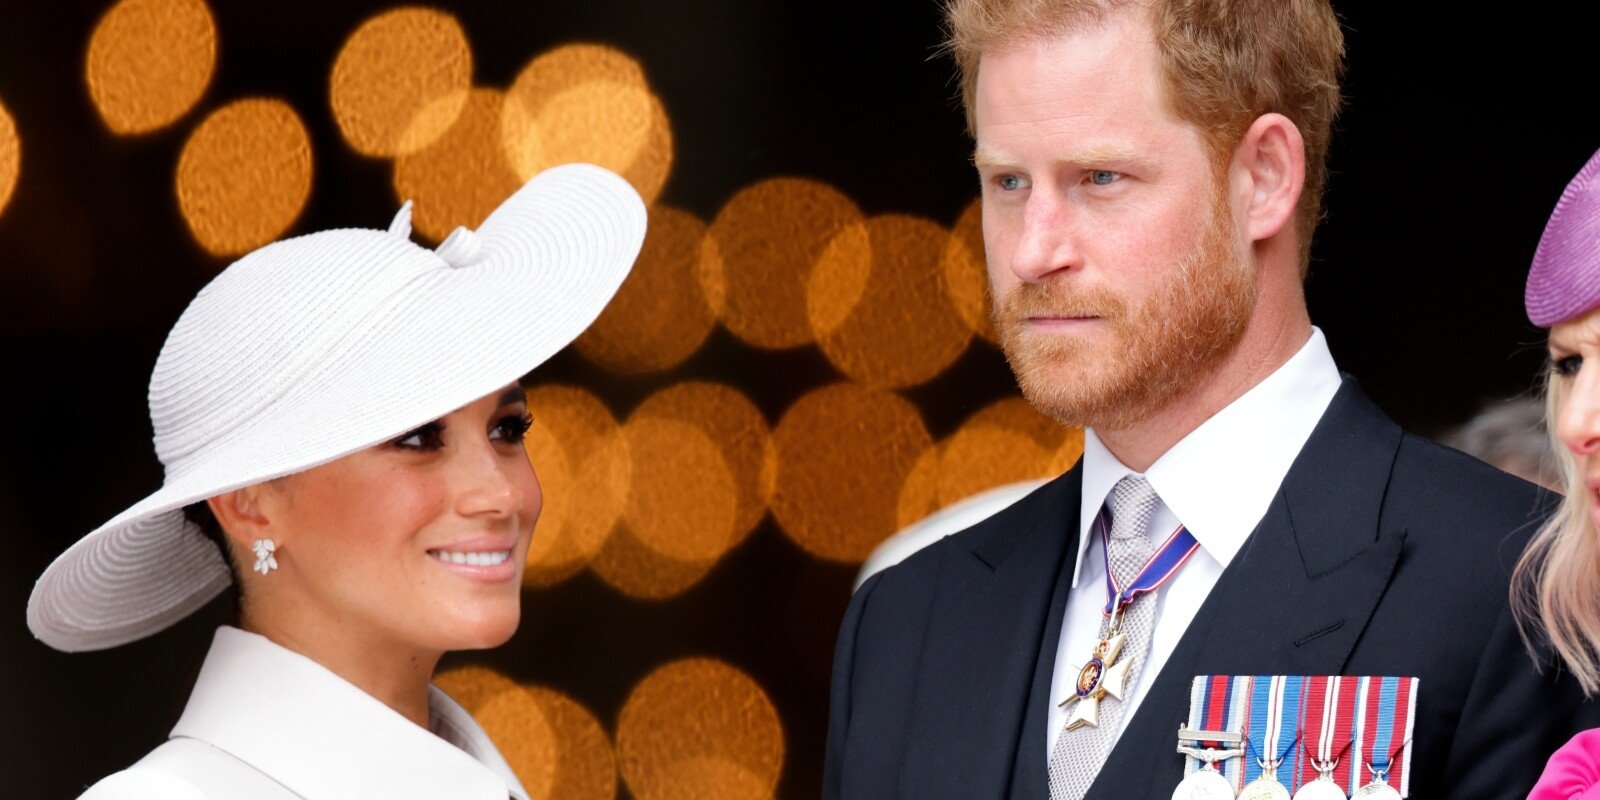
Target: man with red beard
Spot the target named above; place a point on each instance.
(1152, 173)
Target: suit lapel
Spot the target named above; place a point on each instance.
(982, 645)
(1293, 601)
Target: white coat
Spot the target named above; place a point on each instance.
(266, 723)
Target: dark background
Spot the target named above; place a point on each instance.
(1461, 129)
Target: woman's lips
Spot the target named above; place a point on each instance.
(489, 559)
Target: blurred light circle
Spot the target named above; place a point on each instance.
(578, 452)
(661, 315)
(683, 496)
(878, 305)
(771, 235)
(10, 156)
(149, 62)
(736, 427)
(516, 722)
(919, 495)
(463, 175)
(585, 766)
(588, 103)
(244, 175)
(844, 453)
(394, 66)
(473, 686)
(637, 570)
(966, 278)
(699, 728)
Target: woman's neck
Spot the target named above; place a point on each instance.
(397, 675)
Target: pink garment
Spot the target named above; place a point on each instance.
(1573, 772)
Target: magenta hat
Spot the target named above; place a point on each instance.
(1565, 278)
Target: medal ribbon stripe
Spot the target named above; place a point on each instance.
(1274, 719)
(1219, 703)
(1326, 726)
(1163, 564)
(1238, 718)
(1406, 706)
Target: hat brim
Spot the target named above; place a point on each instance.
(552, 257)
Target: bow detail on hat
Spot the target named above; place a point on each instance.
(461, 248)
(401, 226)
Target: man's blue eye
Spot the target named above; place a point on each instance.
(1010, 183)
(1103, 177)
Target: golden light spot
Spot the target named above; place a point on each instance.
(661, 315)
(394, 66)
(771, 236)
(244, 175)
(699, 728)
(463, 175)
(10, 157)
(473, 686)
(878, 305)
(919, 495)
(844, 452)
(588, 103)
(1005, 442)
(585, 766)
(736, 427)
(516, 723)
(578, 452)
(150, 61)
(966, 279)
(629, 566)
(563, 750)
(683, 496)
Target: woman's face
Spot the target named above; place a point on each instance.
(420, 540)
(1575, 361)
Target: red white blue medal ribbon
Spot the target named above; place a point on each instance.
(1273, 735)
(1219, 703)
(1387, 708)
(1165, 563)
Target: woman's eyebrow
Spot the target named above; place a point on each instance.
(512, 396)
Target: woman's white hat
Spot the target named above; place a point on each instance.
(315, 347)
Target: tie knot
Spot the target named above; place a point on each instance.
(1132, 502)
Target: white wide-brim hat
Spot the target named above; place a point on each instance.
(316, 347)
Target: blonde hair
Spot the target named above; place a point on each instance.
(1556, 584)
(1226, 63)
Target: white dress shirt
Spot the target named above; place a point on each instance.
(266, 723)
(1218, 481)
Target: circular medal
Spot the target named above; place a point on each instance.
(1089, 677)
(1264, 788)
(1377, 790)
(1321, 789)
(1204, 784)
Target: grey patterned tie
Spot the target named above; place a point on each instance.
(1079, 754)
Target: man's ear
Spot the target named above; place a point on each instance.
(1272, 158)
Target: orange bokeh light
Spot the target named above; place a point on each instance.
(736, 427)
(966, 278)
(634, 569)
(463, 175)
(878, 305)
(1005, 442)
(683, 496)
(699, 728)
(10, 157)
(557, 748)
(843, 454)
(578, 452)
(394, 66)
(149, 61)
(662, 314)
(588, 103)
(771, 236)
(244, 175)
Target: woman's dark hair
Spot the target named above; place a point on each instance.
(200, 514)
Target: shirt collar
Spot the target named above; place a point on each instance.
(324, 739)
(1219, 480)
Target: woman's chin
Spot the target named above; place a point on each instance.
(482, 632)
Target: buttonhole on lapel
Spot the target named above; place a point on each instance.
(1318, 634)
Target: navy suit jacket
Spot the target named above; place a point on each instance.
(1381, 554)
